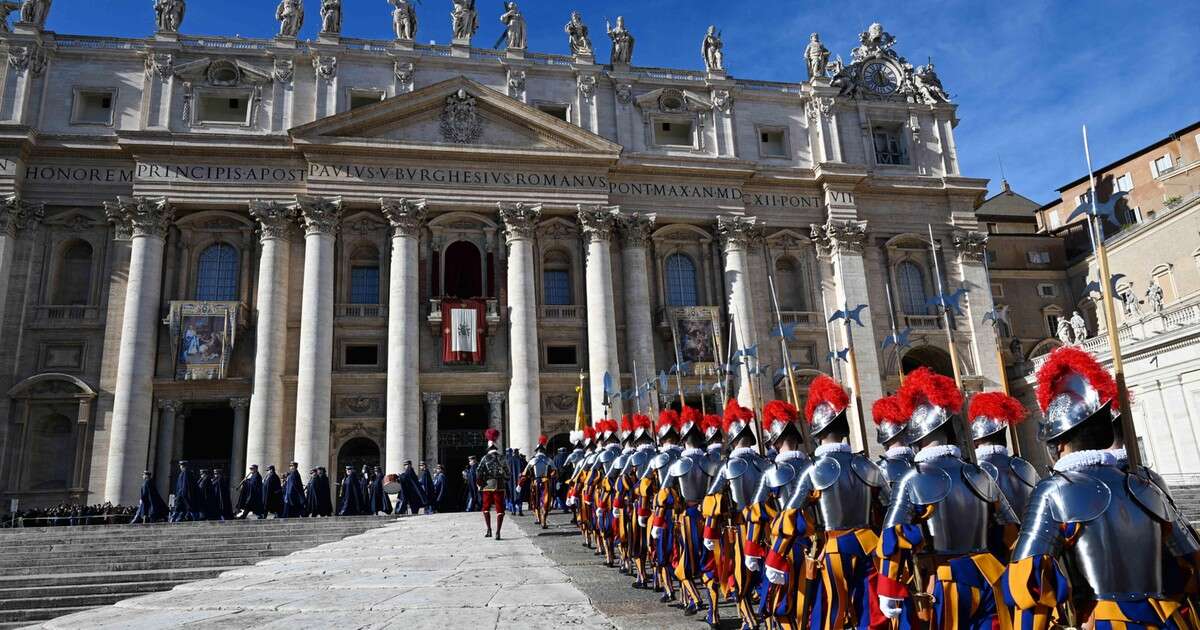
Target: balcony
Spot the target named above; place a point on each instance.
(66, 316)
(562, 313)
(1139, 335)
(803, 319)
(360, 311)
(923, 322)
(491, 314)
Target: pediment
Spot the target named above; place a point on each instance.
(456, 114)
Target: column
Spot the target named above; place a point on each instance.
(635, 231)
(524, 390)
(403, 370)
(597, 223)
(433, 401)
(314, 377)
(83, 417)
(496, 413)
(971, 247)
(237, 450)
(129, 440)
(737, 235)
(165, 449)
(15, 215)
(843, 241)
(264, 428)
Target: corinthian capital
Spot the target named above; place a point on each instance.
(635, 228)
(738, 232)
(970, 245)
(597, 221)
(840, 236)
(320, 216)
(16, 214)
(520, 219)
(141, 216)
(405, 215)
(275, 219)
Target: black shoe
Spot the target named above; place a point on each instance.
(638, 584)
(488, 534)
(690, 610)
(497, 535)
(666, 597)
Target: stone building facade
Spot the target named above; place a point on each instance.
(344, 251)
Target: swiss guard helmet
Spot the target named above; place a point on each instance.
(642, 428)
(491, 435)
(689, 422)
(929, 400)
(827, 402)
(992, 412)
(779, 420)
(889, 419)
(589, 435)
(541, 445)
(627, 429)
(711, 424)
(667, 426)
(1073, 388)
(736, 422)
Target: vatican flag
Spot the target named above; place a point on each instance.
(462, 326)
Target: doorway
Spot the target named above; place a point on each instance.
(460, 435)
(931, 357)
(464, 271)
(207, 441)
(356, 452)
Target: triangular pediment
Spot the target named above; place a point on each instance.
(456, 114)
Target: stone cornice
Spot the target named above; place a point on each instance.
(406, 215)
(738, 232)
(275, 220)
(141, 216)
(597, 221)
(17, 214)
(320, 216)
(520, 220)
(635, 228)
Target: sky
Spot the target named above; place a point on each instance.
(1026, 74)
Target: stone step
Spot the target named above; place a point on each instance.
(157, 547)
(102, 588)
(92, 530)
(22, 617)
(181, 530)
(195, 562)
(102, 577)
(60, 601)
(213, 539)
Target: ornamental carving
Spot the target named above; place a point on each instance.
(174, 406)
(284, 71)
(723, 101)
(877, 72)
(970, 245)
(520, 219)
(275, 219)
(624, 93)
(587, 86)
(840, 236)
(240, 403)
(160, 65)
(320, 216)
(460, 118)
(404, 71)
(819, 107)
(361, 405)
(325, 66)
(141, 216)
(516, 83)
(558, 230)
(405, 215)
(635, 228)
(739, 232)
(16, 214)
(559, 402)
(597, 221)
(32, 58)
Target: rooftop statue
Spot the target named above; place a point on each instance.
(711, 50)
(290, 14)
(929, 85)
(577, 35)
(816, 57)
(464, 19)
(622, 41)
(331, 16)
(873, 42)
(514, 33)
(35, 12)
(168, 15)
(404, 19)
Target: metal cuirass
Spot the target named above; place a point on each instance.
(690, 472)
(541, 465)
(639, 462)
(744, 475)
(894, 468)
(660, 464)
(782, 480)
(961, 495)
(1016, 477)
(846, 483)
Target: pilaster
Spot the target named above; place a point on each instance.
(971, 248)
(635, 229)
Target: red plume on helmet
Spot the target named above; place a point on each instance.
(542, 440)
(825, 390)
(491, 435)
(887, 409)
(736, 418)
(626, 425)
(997, 406)
(668, 420)
(777, 415)
(641, 425)
(1069, 360)
(589, 433)
(711, 424)
(923, 385)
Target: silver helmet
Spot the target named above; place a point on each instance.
(1072, 388)
(890, 421)
(737, 421)
(992, 412)
(929, 400)
(690, 420)
(779, 417)
(827, 402)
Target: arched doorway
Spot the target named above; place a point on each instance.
(463, 277)
(357, 452)
(931, 357)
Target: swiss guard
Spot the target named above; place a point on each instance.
(539, 475)
(621, 487)
(492, 478)
(843, 491)
(991, 414)
(662, 530)
(782, 606)
(731, 507)
(890, 422)
(933, 549)
(636, 468)
(689, 478)
(1114, 531)
(579, 495)
(600, 486)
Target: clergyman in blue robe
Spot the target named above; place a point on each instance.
(426, 487)
(324, 492)
(439, 488)
(250, 495)
(312, 502)
(470, 478)
(272, 492)
(187, 495)
(293, 494)
(352, 501)
(377, 498)
(413, 496)
(220, 493)
(151, 507)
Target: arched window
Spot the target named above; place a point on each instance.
(73, 286)
(681, 281)
(789, 285)
(911, 284)
(364, 275)
(463, 277)
(556, 279)
(217, 273)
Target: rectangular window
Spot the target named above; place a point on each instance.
(997, 290)
(556, 285)
(1052, 324)
(1134, 215)
(561, 355)
(1123, 183)
(224, 109)
(890, 147)
(1052, 218)
(362, 98)
(1039, 258)
(557, 110)
(673, 133)
(1047, 290)
(362, 355)
(772, 142)
(93, 107)
(1161, 165)
(364, 285)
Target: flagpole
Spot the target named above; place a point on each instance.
(887, 285)
(718, 360)
(787, 359)
(755, 426)
(703, 406)
(728, 358)
(678, 361)
(1128, 429)
(937, 273)
(581, 422)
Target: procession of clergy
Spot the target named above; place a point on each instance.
(801, 532)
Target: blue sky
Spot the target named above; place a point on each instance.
(1025, 73)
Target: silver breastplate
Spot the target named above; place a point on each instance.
(845, 496)
(639, 463)
(689, 472)
(959, 523)
(783, 479)
(894, 469)
(744, 475)
(541, 466)
(660, 465)
(1015, 476)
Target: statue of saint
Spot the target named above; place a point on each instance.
(290, 14)
(1064, 331)
(711, 50)
(873, 42)
(622, 41)
(1154, 295)
(577, 35)
(515, 34)
(35, 12)
(404, 19)
(331, 16)
(168, 15)
(816, 56)
(929, 85)
(464, 19)
(1078, 327)
(1129, 302)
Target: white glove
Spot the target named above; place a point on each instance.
(754, 563)
(570, 501)
(641, 521)
(776, 576)
(710, 544)
(654, 532)
(891, 607)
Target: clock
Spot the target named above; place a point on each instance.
(880, 78)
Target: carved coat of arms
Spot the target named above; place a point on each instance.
(460, 119)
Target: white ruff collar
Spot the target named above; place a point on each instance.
(645, 447)
(899, 451)
(1120, 455)
(627, 450)
(990, 449)
(933, 452)
(742, 451)
(692, 451)
(835, 447)
(1084, 459)
(783, 457)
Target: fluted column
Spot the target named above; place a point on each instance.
(129, 440)
(264, 427)
(597, 223)
(971, 247)
(15, 215)
(315, 374)
(635, 231)
(737, 235)
(403, 433)
(524, 390)
(237, 450)
(165, 449)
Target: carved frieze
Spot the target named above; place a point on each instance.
(325, 66)
(161, 65)
(461, 123)
(361, 405)
(840, 236)
(404, 71)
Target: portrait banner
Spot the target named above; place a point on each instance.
(203, 335)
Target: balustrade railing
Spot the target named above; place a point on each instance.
(360, 311)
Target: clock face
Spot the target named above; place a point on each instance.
(880, 78)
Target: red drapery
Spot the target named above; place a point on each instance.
(456, 330)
